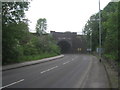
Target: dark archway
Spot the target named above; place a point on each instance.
(65, 46)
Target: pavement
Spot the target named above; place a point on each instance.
(18, 65)
(112, 74)
(71, 71)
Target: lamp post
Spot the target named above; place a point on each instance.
(91, 42)
(99, 49)
(99, 33)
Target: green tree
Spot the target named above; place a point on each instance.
(41, 26)
(14, 29)
(109, 30)
(91, 30)
(14, 36)
(112, 36)
(18, 44)
(13, 12)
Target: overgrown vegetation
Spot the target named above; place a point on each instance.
(109, 30)
(18, 44)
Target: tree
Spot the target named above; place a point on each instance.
(109, 30)
(18, 44)
(14, 37)
(111, 36)
(91, 30)
(13, 12)
(14, 29)
(41, 26)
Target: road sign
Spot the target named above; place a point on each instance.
(79, 49)
(89, 49)
(99, 50)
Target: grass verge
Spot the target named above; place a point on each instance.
(31, 58)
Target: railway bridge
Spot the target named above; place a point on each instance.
(70, 42)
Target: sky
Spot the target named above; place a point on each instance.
(63, 15)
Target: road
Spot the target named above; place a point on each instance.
(71, 71)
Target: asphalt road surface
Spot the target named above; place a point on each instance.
(71, 71)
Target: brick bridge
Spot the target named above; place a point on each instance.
(70, 42)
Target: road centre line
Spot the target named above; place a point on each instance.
(70, 61)
(12, 84)
(48, 69)
(66, 62)
(74, 58)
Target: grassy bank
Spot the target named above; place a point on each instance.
(31, 58)
(112, 74)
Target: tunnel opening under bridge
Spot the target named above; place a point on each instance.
(65, 46)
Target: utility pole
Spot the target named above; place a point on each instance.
(91, 42)
(99, 33)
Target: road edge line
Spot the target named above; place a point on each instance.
(42, 61)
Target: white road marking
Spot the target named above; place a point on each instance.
(73, 59)
(66, 62)
(70, 61)
(48, 69)
(12, 84)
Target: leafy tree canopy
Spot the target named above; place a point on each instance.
(13, 12)
(109, 30)
(41, 26)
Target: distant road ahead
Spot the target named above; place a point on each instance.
(72, 71)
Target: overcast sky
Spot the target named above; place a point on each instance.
(63, 15)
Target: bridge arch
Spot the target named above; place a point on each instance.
(65, 46)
